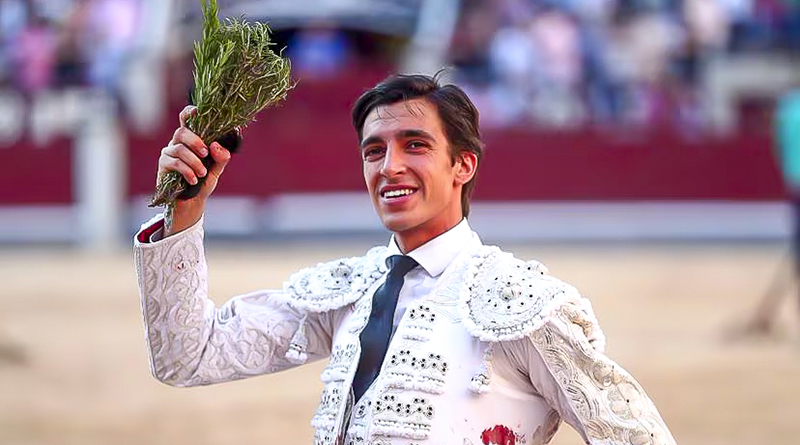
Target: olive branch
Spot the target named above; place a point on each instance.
(236, 75)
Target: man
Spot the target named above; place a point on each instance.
(434, 339)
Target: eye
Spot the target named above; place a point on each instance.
(371, 153)
(417, 145)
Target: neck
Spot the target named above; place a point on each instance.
(411, 239)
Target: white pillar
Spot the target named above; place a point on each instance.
(427, 51)
(99, 174)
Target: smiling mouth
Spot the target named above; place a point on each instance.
(397, 193)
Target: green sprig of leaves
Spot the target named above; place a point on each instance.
(236, 75)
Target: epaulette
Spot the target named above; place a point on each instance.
(334, 284)
(329, 286)
(508, 298)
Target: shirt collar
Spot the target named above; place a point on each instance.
(435, 255)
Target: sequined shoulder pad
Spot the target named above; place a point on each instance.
(332, 285)
(505, 298)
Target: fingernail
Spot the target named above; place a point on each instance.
(203, 172)
(204, 152)
(194, 181)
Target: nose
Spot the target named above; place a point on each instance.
(393, 161)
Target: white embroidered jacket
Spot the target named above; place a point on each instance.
(437, 384)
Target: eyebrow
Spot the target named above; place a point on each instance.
(403, 134)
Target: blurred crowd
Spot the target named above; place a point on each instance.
(48, 44)
(562, 63)
(544, 63)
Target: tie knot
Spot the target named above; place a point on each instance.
(400, 265)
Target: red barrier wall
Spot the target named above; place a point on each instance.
(33, 174)
(308, 145)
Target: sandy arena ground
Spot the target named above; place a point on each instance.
(73, 368)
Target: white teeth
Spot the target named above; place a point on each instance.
(396, 193)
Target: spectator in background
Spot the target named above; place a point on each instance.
(790, 25)
(319, 51)
(50, 44)
(531, 71)
(470, 52)
(512, 65)
(33, 54)
(108, 40)
(13, 17)
(71, 64)
(741, 16)
(708, 24)
(559, 68)
(618, 62)
(603, 90)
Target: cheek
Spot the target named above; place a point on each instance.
(370, 177)
(367, 173)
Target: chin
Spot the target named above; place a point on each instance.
(397, 223)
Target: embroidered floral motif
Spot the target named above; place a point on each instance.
(361, 313)
(610, 404)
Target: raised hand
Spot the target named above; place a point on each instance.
(185, 155)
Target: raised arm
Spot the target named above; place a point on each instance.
(191, 341)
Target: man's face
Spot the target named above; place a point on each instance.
(414, 185)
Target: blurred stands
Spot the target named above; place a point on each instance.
(582, 101)
(642, 63)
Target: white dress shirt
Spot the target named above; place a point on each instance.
(433, 258)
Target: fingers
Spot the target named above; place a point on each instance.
(187, 112)
(177, 157)
(188, 157)
(186, 151)
(184, 136)
(168, 163)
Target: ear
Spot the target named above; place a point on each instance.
(466, 165)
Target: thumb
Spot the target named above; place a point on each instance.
(221, 158)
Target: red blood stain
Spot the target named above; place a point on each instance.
(499, 435)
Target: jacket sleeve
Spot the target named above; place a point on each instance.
(591, 392)
(191, 341)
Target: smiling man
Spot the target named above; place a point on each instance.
(435, 338)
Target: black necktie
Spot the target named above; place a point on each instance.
(375, 336)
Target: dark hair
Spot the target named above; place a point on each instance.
(457, 113)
